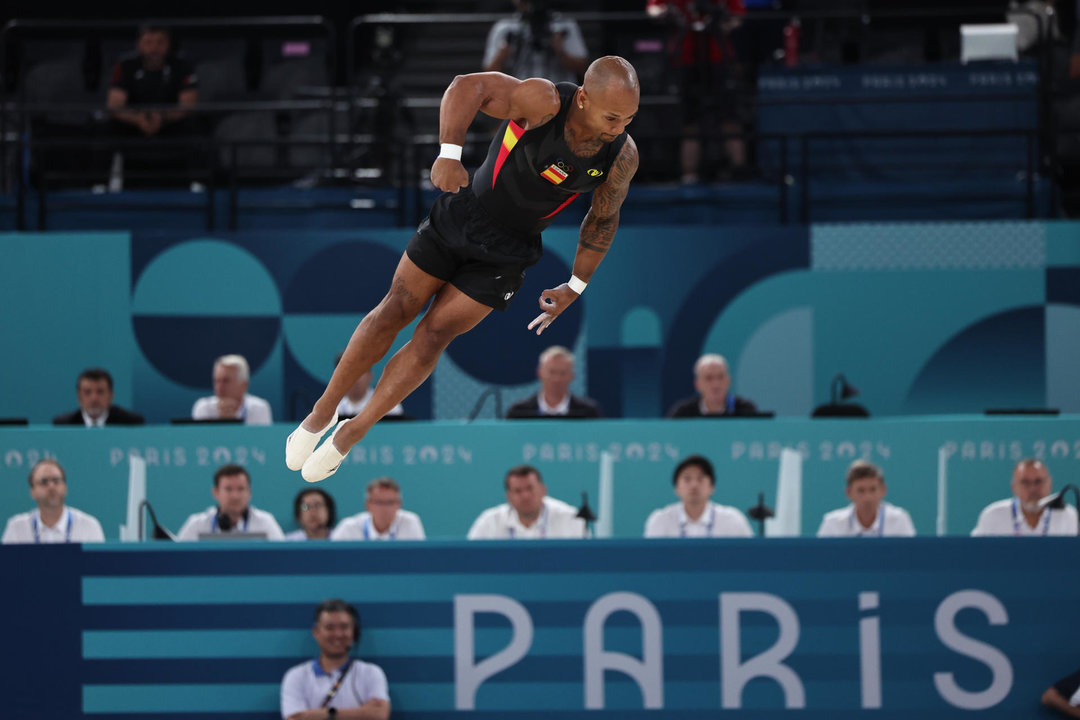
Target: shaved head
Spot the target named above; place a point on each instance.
(611, 71)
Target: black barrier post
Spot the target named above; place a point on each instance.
(804, 211)
(783, 180)
(234, 203)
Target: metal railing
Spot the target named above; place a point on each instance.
(344, 146)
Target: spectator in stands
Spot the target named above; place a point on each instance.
(712, 380)
(1021, 514)
(143, 84)
(315, 513)
(94, 390)
(53, 521)
(696, 515)
(1064, 695)
(536, 43)
(231, 399)
(383, 519)
(556, 372)
(334, 685)
(704, 61)
(868, 515)
(359, 395)
(234, 513)
(528, 512)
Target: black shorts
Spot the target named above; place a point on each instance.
(460, 243)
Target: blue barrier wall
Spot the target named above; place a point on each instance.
(922, 318)
(450, 472)
(929, 628)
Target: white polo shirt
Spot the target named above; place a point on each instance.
(406, 526)
(306, 685)
(557, 520)
(717, 520)
(258, 521)
(891, 521)
(1004, 517)
(255, 410)
(74, 526)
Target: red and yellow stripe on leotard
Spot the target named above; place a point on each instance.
(510, 137)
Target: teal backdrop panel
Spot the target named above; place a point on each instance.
(65, 305)
(450, 472)
(815, 629)
(921, 317)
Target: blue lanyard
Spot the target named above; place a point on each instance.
(543, 523)
(37, 538)
(880, 520)
(368, 529)
(1017, 519)
(708, 528)
(214, 527)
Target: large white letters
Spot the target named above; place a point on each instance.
(1000, 667)
(648, 672)
(734, 674)
(469, 674)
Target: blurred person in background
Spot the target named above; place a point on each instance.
(536, 43)
(53, 521)
(94, 390)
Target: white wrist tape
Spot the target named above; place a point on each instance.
(577, 284)
(450, 150)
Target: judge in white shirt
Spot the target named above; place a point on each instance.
(234, 513)
(1021, 515)
(868, 515)
(359, 395)
(53, 521)
(231, 399)
(528, 513)
(696, 515)
(384, 519)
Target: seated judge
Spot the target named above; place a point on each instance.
(712, 380)
(94, 391)
(554, 400)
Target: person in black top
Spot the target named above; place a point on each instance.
(94, 389)
(470, 254)
(145, 81)
(556, 372)
(712, 380)
(1064, 695)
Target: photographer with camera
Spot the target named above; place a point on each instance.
(536, 42)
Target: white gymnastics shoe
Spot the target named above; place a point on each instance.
(325, 461)
(301, 443)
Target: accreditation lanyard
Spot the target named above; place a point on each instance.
(37, 537)
(543, 523)
(853, 521)
(337, 683)
(1017, 518)
(369, 531)
(247, 521)
(708, 528)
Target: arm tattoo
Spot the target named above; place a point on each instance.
(599, 226)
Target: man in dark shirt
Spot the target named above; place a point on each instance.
(470, 255)
(712, 380)
(556, 372)
(144, 83)
(95, 392)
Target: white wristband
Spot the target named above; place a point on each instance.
(450, 150)
(577, 284)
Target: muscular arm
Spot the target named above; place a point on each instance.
(597, 231)
(600, 223)
(530, 103)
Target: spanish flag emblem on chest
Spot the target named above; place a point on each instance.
(555, 173)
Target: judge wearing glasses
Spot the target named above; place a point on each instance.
(383, 518)
(53, 521)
